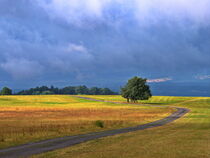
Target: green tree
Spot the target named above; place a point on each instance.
(125, 93)
(94, 91)
(106, 91)
(68, 90)
(6, 91)
(82, 90)
(36, 93)
(47, 93)
(136, 89)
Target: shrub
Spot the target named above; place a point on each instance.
(99, 124)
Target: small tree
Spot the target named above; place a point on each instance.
(82, 90)
(136, 89)
(106, 91)
(6, 91)
(94, 91)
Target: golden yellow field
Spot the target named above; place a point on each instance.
(187, 137)
(32, 118)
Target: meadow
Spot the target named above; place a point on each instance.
(32, 118)
(188, 137)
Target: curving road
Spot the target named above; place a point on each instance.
(27, 150)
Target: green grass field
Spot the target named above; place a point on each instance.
(32, 118)
(188, 137)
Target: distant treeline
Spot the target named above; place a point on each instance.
(73, 90)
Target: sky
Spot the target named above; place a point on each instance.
(105, 42)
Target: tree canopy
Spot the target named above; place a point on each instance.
(136, 89)
(73, 90)
(6, 91)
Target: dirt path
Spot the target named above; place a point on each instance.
(27, 150)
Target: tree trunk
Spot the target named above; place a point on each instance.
(128, 100)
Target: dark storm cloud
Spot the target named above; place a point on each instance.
(88, 41)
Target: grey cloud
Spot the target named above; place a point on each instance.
(157, 80)
(70, 58)
(203, 77)
(21, 41)
(105, 41)
(146, 12)
(22, 68)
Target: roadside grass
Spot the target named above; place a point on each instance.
(188, 137)
(32, 118)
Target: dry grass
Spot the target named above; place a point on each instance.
(33, 118)
(188, 137)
